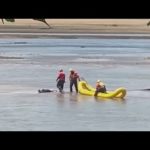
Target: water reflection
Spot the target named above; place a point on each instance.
(118, 100)
(60, 97)
(73, 98)
(78, 97)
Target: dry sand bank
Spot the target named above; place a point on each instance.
(68, 22)
(28, 28)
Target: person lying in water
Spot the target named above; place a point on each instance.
(100, 87)
(46, 90)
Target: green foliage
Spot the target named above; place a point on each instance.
(10, 20)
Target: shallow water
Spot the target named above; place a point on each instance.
(118, 62)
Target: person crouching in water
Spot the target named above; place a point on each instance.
(73, 77)
(100, 87)
(60, 80)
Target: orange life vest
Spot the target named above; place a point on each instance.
(61, 76)
(73, 76)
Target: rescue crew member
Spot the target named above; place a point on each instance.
(60, 80)
(73, 77)
(100, 87)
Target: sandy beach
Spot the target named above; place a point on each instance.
(61, 28)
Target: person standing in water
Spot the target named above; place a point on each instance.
(73, 77)
(60, 80)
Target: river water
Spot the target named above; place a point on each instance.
(27, 65)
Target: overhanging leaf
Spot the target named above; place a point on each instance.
(3, 21)
(44, 21)
(148, 23)
(10, 20)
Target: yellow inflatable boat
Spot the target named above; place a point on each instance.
(85, 89)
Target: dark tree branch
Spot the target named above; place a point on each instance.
(42, 20)
(148, 23)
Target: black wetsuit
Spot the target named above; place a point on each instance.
(60, 85)
(102, 90)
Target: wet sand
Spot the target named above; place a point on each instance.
(53, 60)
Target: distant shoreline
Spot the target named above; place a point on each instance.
(12, 35)
(77, 28)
